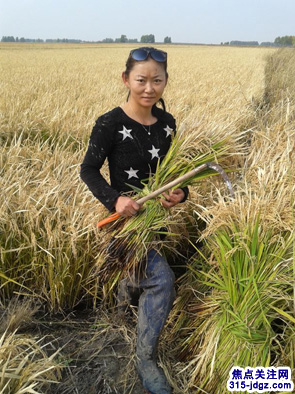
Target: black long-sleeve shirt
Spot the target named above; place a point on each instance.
(132, 151)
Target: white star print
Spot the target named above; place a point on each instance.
(154, 152)
(168, 131)
(132, 173)
(126, 133)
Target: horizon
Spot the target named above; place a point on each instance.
(66, 40)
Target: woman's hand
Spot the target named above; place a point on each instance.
(125, 206)
(173, 198)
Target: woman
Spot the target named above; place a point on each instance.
(133, 137)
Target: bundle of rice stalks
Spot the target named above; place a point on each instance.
(129, 240)
(243, 315)
(236, 306)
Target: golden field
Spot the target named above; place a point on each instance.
(65, 88)
(51, 96)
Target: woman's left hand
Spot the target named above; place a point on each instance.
(173, 198)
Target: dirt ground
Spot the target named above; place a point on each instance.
(95, 347)
(97, 351)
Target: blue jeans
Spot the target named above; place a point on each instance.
(155, 302)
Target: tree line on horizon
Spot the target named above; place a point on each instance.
(286, 40)
(278, 42)
(150, 39)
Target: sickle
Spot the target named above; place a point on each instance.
(190, 174)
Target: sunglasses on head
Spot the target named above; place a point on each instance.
(142, 54)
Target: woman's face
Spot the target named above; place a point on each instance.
(146, 82)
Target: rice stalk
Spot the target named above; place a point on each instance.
(130, 239)
(248, 289)
(238, 297)
(44, 226)
(280, 76)
(24, 366)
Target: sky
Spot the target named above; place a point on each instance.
(187, 21)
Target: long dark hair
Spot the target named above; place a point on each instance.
(130, 63)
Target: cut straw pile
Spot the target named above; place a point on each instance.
(25, 366)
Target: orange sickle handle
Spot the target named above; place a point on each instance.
(109, 219)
